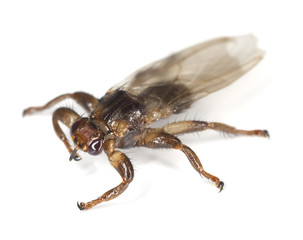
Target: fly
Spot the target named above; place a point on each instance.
(122, 117)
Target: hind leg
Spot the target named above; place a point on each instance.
(194, 126)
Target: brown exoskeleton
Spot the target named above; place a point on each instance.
(122, 118)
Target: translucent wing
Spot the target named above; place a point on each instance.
(171, 84)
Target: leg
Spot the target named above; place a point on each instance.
(87, 101)
(123, 166)
(67, 116)
(157, 138)
(194, 126)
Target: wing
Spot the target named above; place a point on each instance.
(171, 84)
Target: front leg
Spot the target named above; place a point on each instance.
(123, 166)
(87, 101)
(67, 116)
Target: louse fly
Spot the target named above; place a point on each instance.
(122, 117)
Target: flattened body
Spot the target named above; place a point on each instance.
(171, 84)
(124, 116)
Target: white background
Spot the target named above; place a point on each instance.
(52, 47)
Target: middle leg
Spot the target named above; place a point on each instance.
(123, 166)
(158, 138)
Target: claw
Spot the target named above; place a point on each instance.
(81, 205)
(77, 157)
(266, 133)
(220, 186)
(74, 156)
(25, 112)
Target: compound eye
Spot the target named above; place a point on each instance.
(95, 147)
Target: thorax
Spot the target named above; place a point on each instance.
(123, 114)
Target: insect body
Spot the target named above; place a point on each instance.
(122, 118)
